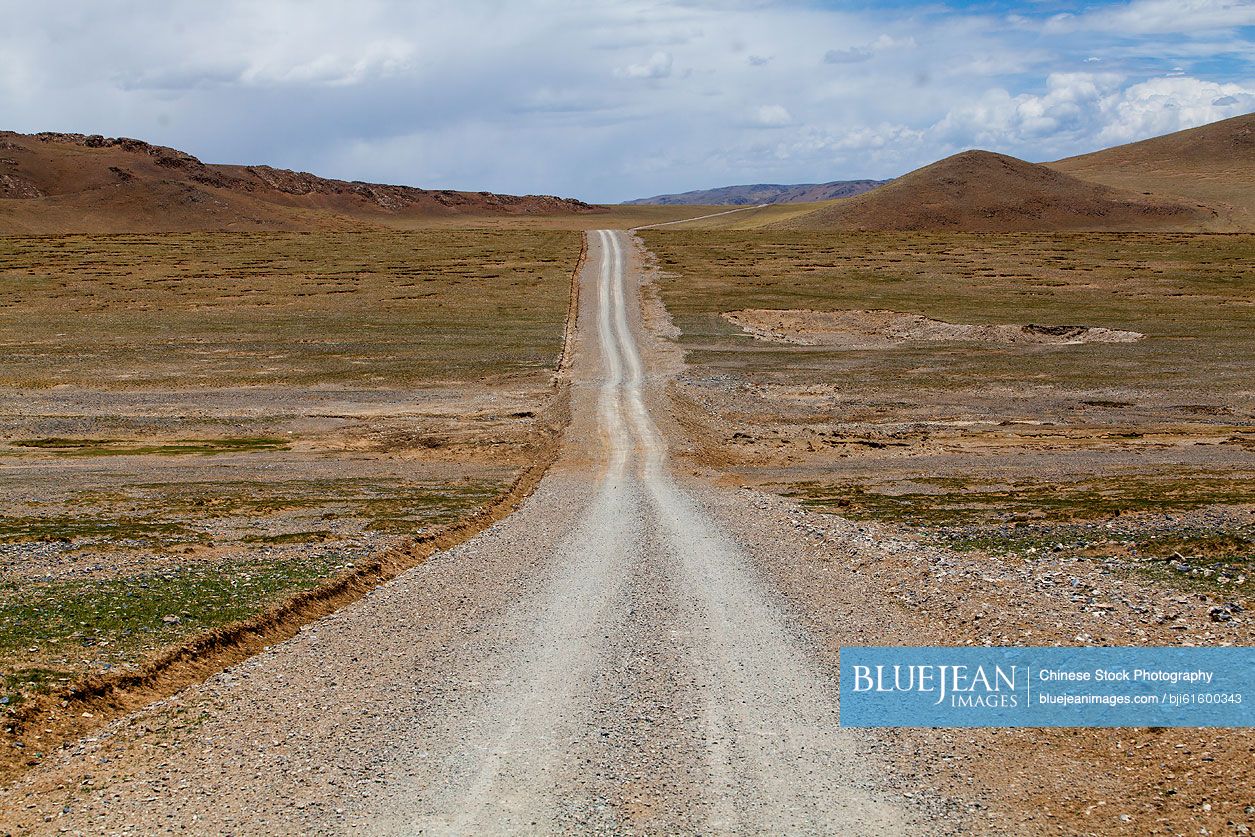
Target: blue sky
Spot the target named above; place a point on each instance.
(613, 100)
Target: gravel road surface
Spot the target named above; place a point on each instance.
(607, 660)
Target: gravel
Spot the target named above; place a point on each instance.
(607, 660)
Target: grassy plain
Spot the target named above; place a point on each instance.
(1141, 450)
(621, 217)
(363, 309)
(194, 426)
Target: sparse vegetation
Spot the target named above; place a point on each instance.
(995, 447)
(1188, 293)
(946, 501)
(301, 309)
(117, 447)
(207, 423)
(74, 527)
(106, 622)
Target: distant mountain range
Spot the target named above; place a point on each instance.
(759, 193)
(1198, 179)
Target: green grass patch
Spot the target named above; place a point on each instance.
(391, 505)
(165, 514)
(1185, 555)
(1212, 545)
(378, 308)
(1188, 293)
(964, 501)
(117, 447)
(289, 537)
(18, 684)
(73, 527)
(120, 618)
(405, 513)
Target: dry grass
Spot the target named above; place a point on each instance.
(606, 216)
(366, 309)
(1213, 163)
(1039, 436)
(200, 425)
(1190, 294)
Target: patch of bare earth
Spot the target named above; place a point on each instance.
(876, 329)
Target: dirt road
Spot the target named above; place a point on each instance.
(606, 660)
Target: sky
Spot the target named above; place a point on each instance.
(608, 101)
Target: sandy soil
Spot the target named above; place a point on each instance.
(881, 329)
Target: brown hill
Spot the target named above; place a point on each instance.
(76, 183)
(1214, 164)
(979, 191)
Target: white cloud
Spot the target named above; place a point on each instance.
(1093, 108)
(864, 52)
(373, 60)
(1141, 17)
(997, 117)
(849, 55)
(1163, 105)
(888, 42)
(617, 99)
(658, 66)
(1066, 104)
(772, 116)
(876, 137)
